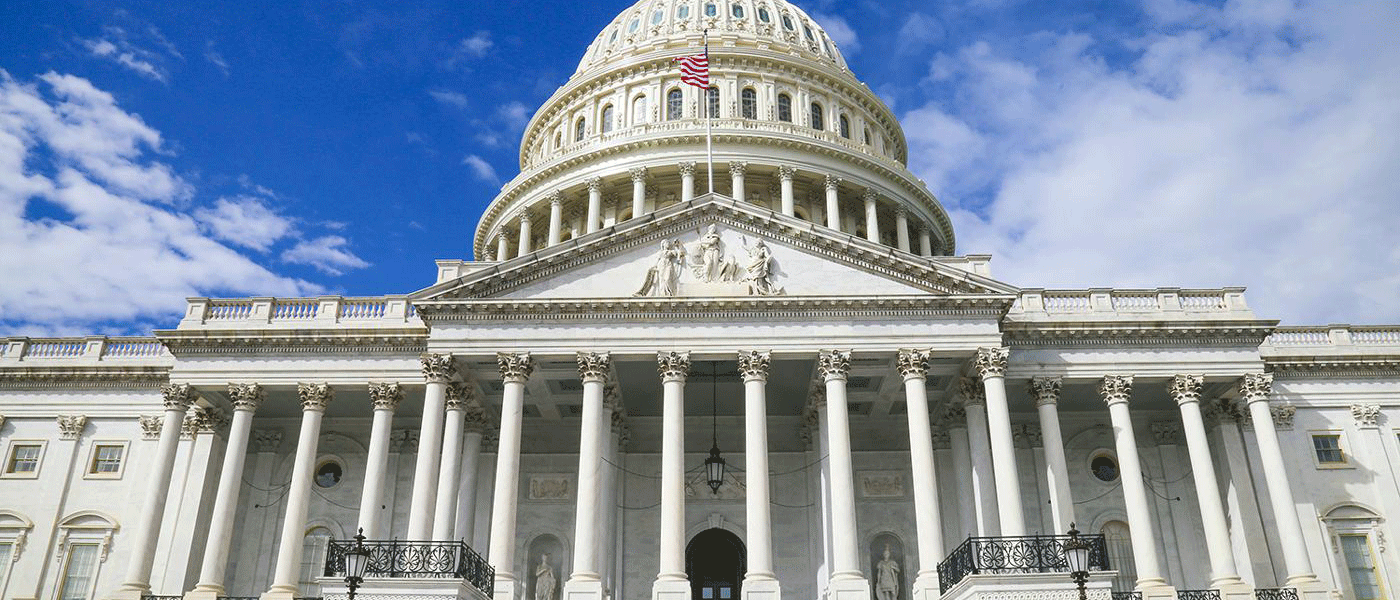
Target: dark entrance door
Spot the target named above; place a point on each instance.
(715, 563)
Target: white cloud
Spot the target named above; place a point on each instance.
(840, 32)
(476, 45)
(246, 221)
(128, 57)
(918, 32)
(327, 254)
(515, 114)
(1249, 148)
(116, 45)
(90, 232)
(215, 58)
(450, 98)
(482, 169)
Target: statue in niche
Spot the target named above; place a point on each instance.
(757, 272)
(544, 579)
(663, 277)
(886, 577)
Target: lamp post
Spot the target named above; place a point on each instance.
(1077, 555)
(356, 562)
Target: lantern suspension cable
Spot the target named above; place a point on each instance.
(714, 465)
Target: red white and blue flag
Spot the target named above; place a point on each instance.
(695, 70)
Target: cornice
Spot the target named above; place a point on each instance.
(1333, 368)
(689, 309)
(325, 341)
(83, 377)
(1248, 333)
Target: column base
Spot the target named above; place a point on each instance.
(1311, 588)
(579, 588)
(926, 587)
(1234, 590)
(761, 588)
(1155, 589)
(393, 588)
(670, 589)
(205, 592)
(130, 592)
(279, 592)
(506, 588)
(848, 588)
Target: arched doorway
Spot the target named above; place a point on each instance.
(715, 563)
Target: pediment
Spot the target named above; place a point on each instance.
(713, 247)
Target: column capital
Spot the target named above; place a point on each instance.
(515, 366)
(912, 363)
(315, 396)
(267, 440)
(1367, 415)
(1185, 388)
(673, 366)
(1283, 415)
(1222, 409)
(834, 365)
(1027, 435)
(556, 198)
(246, 396)
(178, 396)
(1256, 387)
(70, 427)
(753, 365)
(687, 168)
(1116, 388)
(832, 181)
(901, 212)
(972, 391)
(786, 172)
(1046, 390)
(459, 395)
(737, 167)
(869, 194)
(1166, 433)
(524, 217)
(991, 362)
(438, 368)
(595, 184)
(594, 366)
(385, 396)
(954, 414)
(638, 174)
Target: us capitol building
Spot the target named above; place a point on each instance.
(548, 422)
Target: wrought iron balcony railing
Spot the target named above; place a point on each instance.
(1127, 595)
(1027, 554)
(1276, 594)
(417, 560)
(1198, 595)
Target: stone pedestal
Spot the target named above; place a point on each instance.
(926, 587)
(854, 588)
(672, 589)
(761, 588)
(506, 588)
(333, 588)
(1041, 586)
(583, 589)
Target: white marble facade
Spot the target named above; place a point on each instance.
(552, 403)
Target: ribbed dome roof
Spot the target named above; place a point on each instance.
(654, 24)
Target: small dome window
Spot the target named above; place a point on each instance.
(763, 14)
(785, 108)
(867, 136)
(737, 10)
(845, 127)
(787, 22)
(634, 26)
(683, 11)
(657, 16)
(808, 30)
(606, 122)
(673, 105)
(827, 46)
(612, 38)
(711, 10)
(748, 103)
(580, 128)
(817, 116)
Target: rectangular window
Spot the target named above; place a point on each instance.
(7, 554)
(1329, 449)
(107, 458)
(24, 458)
(1361, 569)
(77, 574)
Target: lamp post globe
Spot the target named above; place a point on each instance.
(356, 563)
(1077, 557)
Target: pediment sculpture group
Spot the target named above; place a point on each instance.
(707, 261)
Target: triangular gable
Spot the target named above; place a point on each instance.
(806, 260)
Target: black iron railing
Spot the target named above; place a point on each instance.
(419, 560)
(238, 597)
(1276, 594)
(1027, 554)
(1127, 595)
(160, 597)
(1198, 595)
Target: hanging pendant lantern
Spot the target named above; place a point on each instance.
(714, 469)
(714, 465)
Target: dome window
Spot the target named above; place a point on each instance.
(737, 10)
(712, 102)
(673, 105)
(634, 25)
(785, 108)
(657, 16)
(557, 140)
(816, 116)
(639, 110)
(845, 127)
(827, 46)
(763, 15)
(748, 103)
(607, 119)
(807, 29)
(787, 22)
(580, 128)
(612, 38)
(683, 11)
(711, 10)
(866, 139)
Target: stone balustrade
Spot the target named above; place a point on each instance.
(1360, 346)
(83, 349)
(379, 311)
(1040, 304)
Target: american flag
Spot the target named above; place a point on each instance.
(695, 70)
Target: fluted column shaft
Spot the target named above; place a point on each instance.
(962, 469)
(1186, 390)
(246, 399)
(753, 367)
(438, 370)
(1116, 391)
(834, 367)
(556, 218)
(673, 367)
(386, 398)
(872, 217)
(785, 175)
(524, 241)
(978, 441)
(503, 245)
(1256, 389)
(515, 371)
(736, 179)
(593, 370)
(595, 205)
(639, 191)
(450, 470)
(991, 365)
(926, 247)
(687, 181)
(466, 495)
(833, 204)
(901, 229)
(913, 366)
(178, 398)
(314, 398)
(1046, 391)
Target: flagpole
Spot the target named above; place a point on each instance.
(709, 142)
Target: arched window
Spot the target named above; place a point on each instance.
(579, 129)
(85, 537)
(606, 124)
(785, 108)
(639, 110)
(712, 102)
(558, 139)
(1120, 554)
(866, 139)
(673, 105)
(313, 561)
(845, 127)
(657, 16)
(634, 25)
(748, 103)
(817, 116)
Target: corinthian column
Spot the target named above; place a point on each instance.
(671, 582)
(246, 398)
(872, 216)
(524, 242)
(785, 175)
(833, 204)
(926, 246)
(515, 371)
(503, 245)
(991, 365)
(438, 370)
(1256, 388)
(475, 425)
(901, 228)
(595, 205)
(759, 581)
(1116, 390)
(847, 581)
(736, 178)
(556, 217)
(1186, 390)
(178, 397)
(1046, 391)
(913, 366)
(445, 509)
(639, 191)
(314, 398)
(687, 170)
(585, 583)
(385, 398)
(974, 394)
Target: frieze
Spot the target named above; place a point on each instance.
(549, 487)
(881, 484)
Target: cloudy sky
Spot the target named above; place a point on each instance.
(153, 151)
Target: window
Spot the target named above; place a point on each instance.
(639, 110)
(712, 102)
(816, 116)
(827, 46)
(1104, 468)
(807, 29)
(1328, 447)
(845, 127)
(607, 120)
(1361, 567)
(673, 105)
(579, 129)
(748, 103)
(7, 556)
(78, 572)
(785, 108)
(787, 22)
(24, 459)
(867, 136)
(682, 11)
(634, 25)
(737, 10)
(657, 16)
(329, 474)
(711, 10)
(107, 459)
(557, 139)
(763, 14)
(313, 561)
(612, 38)
(1120, 554)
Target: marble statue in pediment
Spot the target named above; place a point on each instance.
(663, 277)
(758, 273)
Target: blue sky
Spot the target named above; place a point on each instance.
(153, 151)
